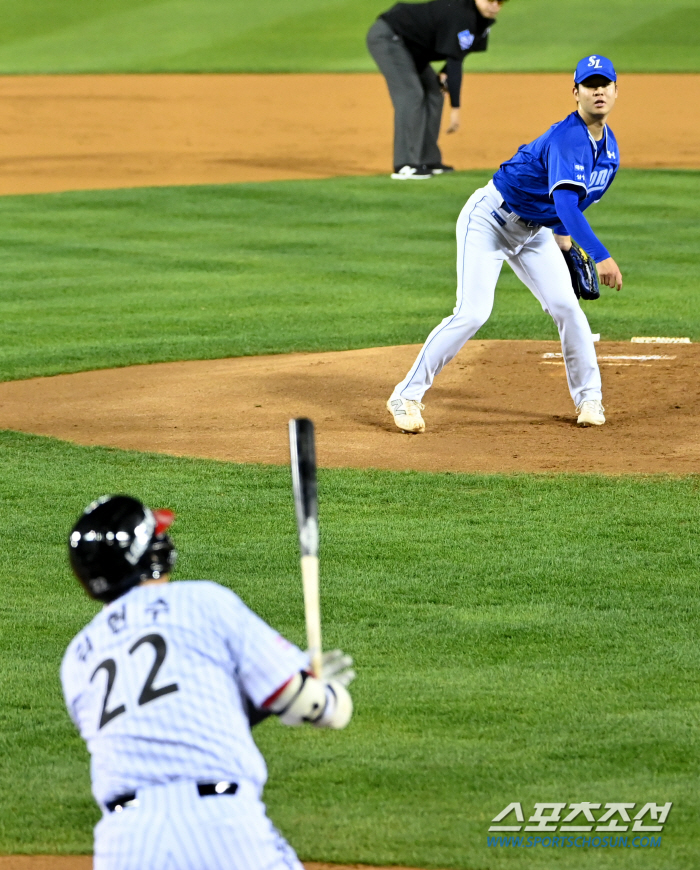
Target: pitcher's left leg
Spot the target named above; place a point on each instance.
(541, 267)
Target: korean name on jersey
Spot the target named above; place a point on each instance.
(157, 686)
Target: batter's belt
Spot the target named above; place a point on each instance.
(204, 788)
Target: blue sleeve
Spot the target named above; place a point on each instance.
(576, 225)
(569, 161)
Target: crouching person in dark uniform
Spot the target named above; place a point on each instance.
(403, 41)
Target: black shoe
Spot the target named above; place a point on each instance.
(440, 168)
(412, 171)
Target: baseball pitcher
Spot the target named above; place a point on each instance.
(164, 685)
(528, 214)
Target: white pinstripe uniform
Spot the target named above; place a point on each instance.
(156, 685)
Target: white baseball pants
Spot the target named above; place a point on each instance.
(173, 828)
(484, 241)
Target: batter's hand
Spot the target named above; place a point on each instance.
(335, 665)
(454, 121)
(609, 273)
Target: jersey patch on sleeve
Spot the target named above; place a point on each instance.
(466, 39)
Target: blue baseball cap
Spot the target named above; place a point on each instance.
(594, 65)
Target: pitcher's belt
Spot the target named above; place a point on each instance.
(531, 225)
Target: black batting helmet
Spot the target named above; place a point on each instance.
(119, 542)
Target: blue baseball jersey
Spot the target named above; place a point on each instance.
(566, 155)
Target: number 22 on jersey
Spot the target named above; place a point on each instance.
(148, 692)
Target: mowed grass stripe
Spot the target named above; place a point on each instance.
(57, 36)
(109, 278)
(523, 638)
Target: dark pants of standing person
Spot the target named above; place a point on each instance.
(417, 98)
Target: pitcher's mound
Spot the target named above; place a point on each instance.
(500, 406)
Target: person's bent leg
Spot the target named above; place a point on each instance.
(405, 89)
(541, 267)
(479, 262)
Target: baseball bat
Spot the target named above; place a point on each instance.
(303, 455)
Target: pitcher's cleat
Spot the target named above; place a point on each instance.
(590, 413)
(406, 413)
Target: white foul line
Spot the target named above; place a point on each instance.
(620, 356)
(658, 339)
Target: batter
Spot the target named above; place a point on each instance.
(527, 215)
(164, 685)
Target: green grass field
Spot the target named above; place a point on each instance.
(52, 36)
(536, 640)
(100, 279)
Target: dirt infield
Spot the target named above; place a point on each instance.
(500, 406)
(110, 131)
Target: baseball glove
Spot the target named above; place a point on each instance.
(584, 276)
